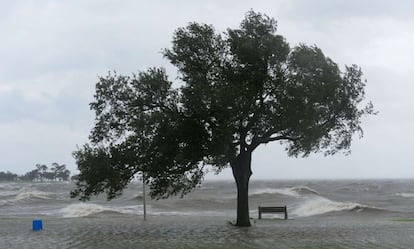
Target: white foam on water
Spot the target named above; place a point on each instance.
(8, 190)
(8, 186)
(26, 194)
(304, 190)
(297, 191)
(320, 205)
(86, 209)
(82, 209)
(191, 213)
(405, 195)
(7, 193)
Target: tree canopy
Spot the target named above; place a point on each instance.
(57, 173)
(239, 89)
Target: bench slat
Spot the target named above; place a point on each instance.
(282, 209)
(272, 209)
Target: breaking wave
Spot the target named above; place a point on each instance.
(7, 193)
(9, 186)
(320, 205)
(405, 195)
(136, 197)
(28, 195)
(87, 209)
(297, 191)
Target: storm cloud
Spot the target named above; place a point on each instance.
(52, 52)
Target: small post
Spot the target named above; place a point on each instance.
(144, 199)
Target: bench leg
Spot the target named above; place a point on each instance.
(286, 215)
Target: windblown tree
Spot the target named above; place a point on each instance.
(8, 176)
(240, 89)
(60, 172)
(42, 171)
(31, 175)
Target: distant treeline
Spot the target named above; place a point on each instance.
(56, 172)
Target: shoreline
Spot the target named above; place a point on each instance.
(130, 231)
(348, 214)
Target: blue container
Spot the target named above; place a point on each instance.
(37, 225)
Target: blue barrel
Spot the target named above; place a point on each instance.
(37, 225)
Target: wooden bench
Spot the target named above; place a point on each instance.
(282, 209)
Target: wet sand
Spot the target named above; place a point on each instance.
(121, 231)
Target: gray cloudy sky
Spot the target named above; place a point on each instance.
(52, 51)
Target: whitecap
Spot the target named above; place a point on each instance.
(405, 195)
(320, 205)
(7, 193)
(8, 186)
(29, 193)
(86, 209)
(81, 210)
(297, 191)
(32, 195)
(304, 190)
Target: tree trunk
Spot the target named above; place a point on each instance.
(242, 171)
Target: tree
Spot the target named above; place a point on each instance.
(42, 171)
(241, 89)
(49, 175)
(60, 172)
(74, 178)
(31, 175)
(56, 169)
(8, 176)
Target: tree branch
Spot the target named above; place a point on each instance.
(267, 138)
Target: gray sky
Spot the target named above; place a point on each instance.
(52, 51)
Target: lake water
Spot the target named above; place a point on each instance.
(323, 214)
